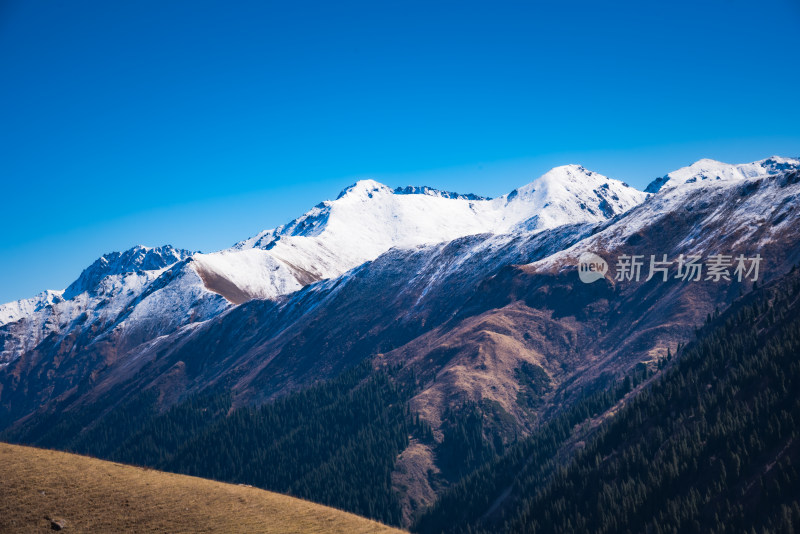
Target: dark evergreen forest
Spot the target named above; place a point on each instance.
(709, 446)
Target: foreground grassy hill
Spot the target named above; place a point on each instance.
(40, 487)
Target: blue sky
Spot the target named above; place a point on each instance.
(199, 123)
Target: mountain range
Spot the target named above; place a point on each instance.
(472, 305)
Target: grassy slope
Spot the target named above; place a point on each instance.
(92, 495)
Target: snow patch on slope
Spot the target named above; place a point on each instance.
(14, 311)
(183, 300)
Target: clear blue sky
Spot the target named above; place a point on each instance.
(200, 123)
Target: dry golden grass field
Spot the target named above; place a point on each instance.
(39, 487)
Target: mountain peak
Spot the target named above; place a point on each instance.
(569, 194)
(709, 170)
(571, 178)
(135, 259)
(571, 172)
(570, 167)
(779, 163)
(364, 189)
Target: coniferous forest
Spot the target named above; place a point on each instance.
(710, 446)
(334, 443)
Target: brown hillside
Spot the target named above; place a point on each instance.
(89, 495)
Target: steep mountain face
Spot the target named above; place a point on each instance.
(707, 445)
(580, 334)
(91, 305)
(477, 303)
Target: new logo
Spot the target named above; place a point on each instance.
(591, 267)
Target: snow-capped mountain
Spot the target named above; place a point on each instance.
(93, 302)
(146, 292)
(744, 200)
(706, 170)
(160, 289)
(116, 276)
(153, 291)
(369, 218)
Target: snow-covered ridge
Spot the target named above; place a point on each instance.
(146, 292)
(561, 190)
(746, 205)
(13, 311)
(153, 291)
(425, 190)
(369, 218)
(365, 220)
(112, 280)
(136, 259)
(112, 297)
(706, 170)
